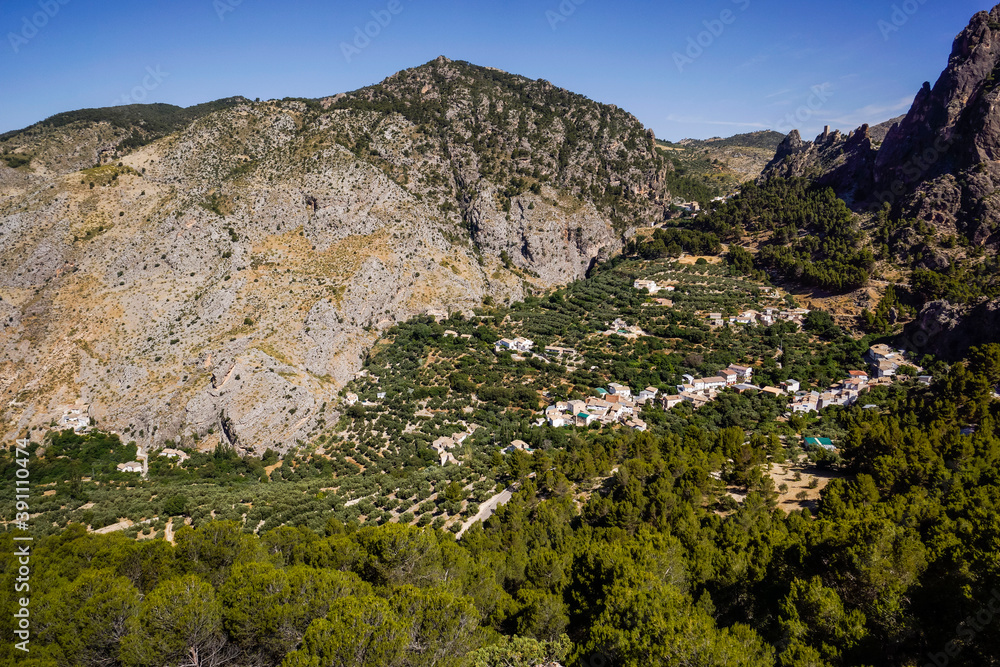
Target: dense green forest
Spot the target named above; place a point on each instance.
(675, 546)
(807, 234)
(897, 563)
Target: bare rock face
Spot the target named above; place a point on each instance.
(940, 163)
(948, 330)
(221, 283)
(833, 160)
(556, 242)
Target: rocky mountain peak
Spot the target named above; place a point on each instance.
(940, 163)
(219, 273)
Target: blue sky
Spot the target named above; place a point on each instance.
(713, 68)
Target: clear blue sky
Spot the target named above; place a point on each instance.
(765, 64)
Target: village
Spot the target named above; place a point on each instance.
(617, 404)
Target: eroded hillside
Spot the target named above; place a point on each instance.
(226, 280)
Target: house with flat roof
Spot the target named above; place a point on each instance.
(825, 443)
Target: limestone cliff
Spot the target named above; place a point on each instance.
(219, 275)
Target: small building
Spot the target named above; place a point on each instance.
(351, 398)
(174, 454)
(636, 424)
(523, 344)
(881, 352)
(131, 466)
(745, 373)
(858, 375)
(715, 383)
(556, 421)
(791, 386)
(616, 389)
(696, 400)
(825, 443)
(670, 400)
(647, 394)
(380, 395)
(885, 368)
(649, 285)
(448, 333)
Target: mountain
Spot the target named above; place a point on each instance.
(216, 274)
(938, 163)
(704, 169)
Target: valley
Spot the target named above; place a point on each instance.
(465, 369)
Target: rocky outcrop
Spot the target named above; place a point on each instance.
(948, 330)
(834, 160)
(557, 243)
(940, 163)
(222, 283)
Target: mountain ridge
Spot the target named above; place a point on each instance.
(220, 283)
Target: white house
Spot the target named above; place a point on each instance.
(881, 352)
(790, 385)
(616, 389)
(131, 466)
(523, 344)
(715, 383)
(745, 373)
(647, 394)
(885, 368)
(646, 285)
(858, 375)
(351, 398)
(670, 401)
